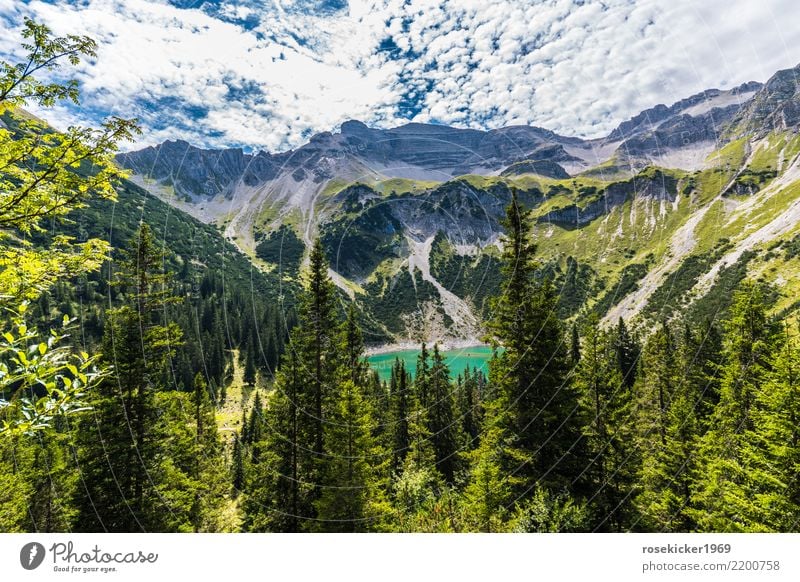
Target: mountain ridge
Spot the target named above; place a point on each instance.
(629, 212)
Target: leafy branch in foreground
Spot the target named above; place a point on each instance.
(50, 379)
(45, 175)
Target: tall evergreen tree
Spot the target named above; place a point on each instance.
(287, 480)
(120, 456)
(237, 469)
(773, 446)
(627, 353)
(532, 370)
(575, 346)
(606, 408)
(208, 472)
(488, 492)
(347, 490)
(468, 404)
(250, 366)
(667, 478)
(422, 380)
(446, 437)
(400, 410)
(723, 483)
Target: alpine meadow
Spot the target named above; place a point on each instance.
(421, 326)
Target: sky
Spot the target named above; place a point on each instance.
(268, 74)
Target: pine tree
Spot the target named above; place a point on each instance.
(446, 438)
(121, 453)
(773, 445)
(250, 367)
(209, 463)
(627, 353)
(668, 470)
(724, 484)
(353, 344)
(468, 405)
(419, 483)
(318, 330)
(276, 497)
(255, 425)
(237, 472)
(488, 492)
(659, 367)
(606, 407)
(531, 373)
(53, 478)
(347, 476)
(15, 486)
(575, 346)
(400, 410)
(39, 477)
(287, 478)
(422, 381)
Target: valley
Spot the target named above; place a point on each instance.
(411, 216)
(399, 328)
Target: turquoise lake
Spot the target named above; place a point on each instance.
(457, 360)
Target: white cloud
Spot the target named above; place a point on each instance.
(576, 68)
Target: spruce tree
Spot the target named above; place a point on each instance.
(627, 353)
(532, 371)
(287, 479)
(724, 480)
(488, 492)
(53, 478)
(400, 410)
(606, 409)
(121, 455)
(347, 480)
(667, 477)
(422, 380)
(443, 427)
(250, 366)
(575, 346)
(467, 406)
(16, 488)
(237, 470)
(208, 471)
(773, 445)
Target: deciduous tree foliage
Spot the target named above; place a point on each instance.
(45, 175)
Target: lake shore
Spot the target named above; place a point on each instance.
(444, 345)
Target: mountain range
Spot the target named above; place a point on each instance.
(662, 216)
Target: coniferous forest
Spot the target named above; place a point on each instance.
(127, 325)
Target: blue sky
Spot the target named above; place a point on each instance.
(269, 74)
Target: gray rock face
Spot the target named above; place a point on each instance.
(649, 119)
(654, 185)
(776, 106)
(701, 118)
(467, 214)
(680, 131)
(195, 173)
(546, 168)
(450, 150)
(370, 228)
(425, 151)
(437, 152)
